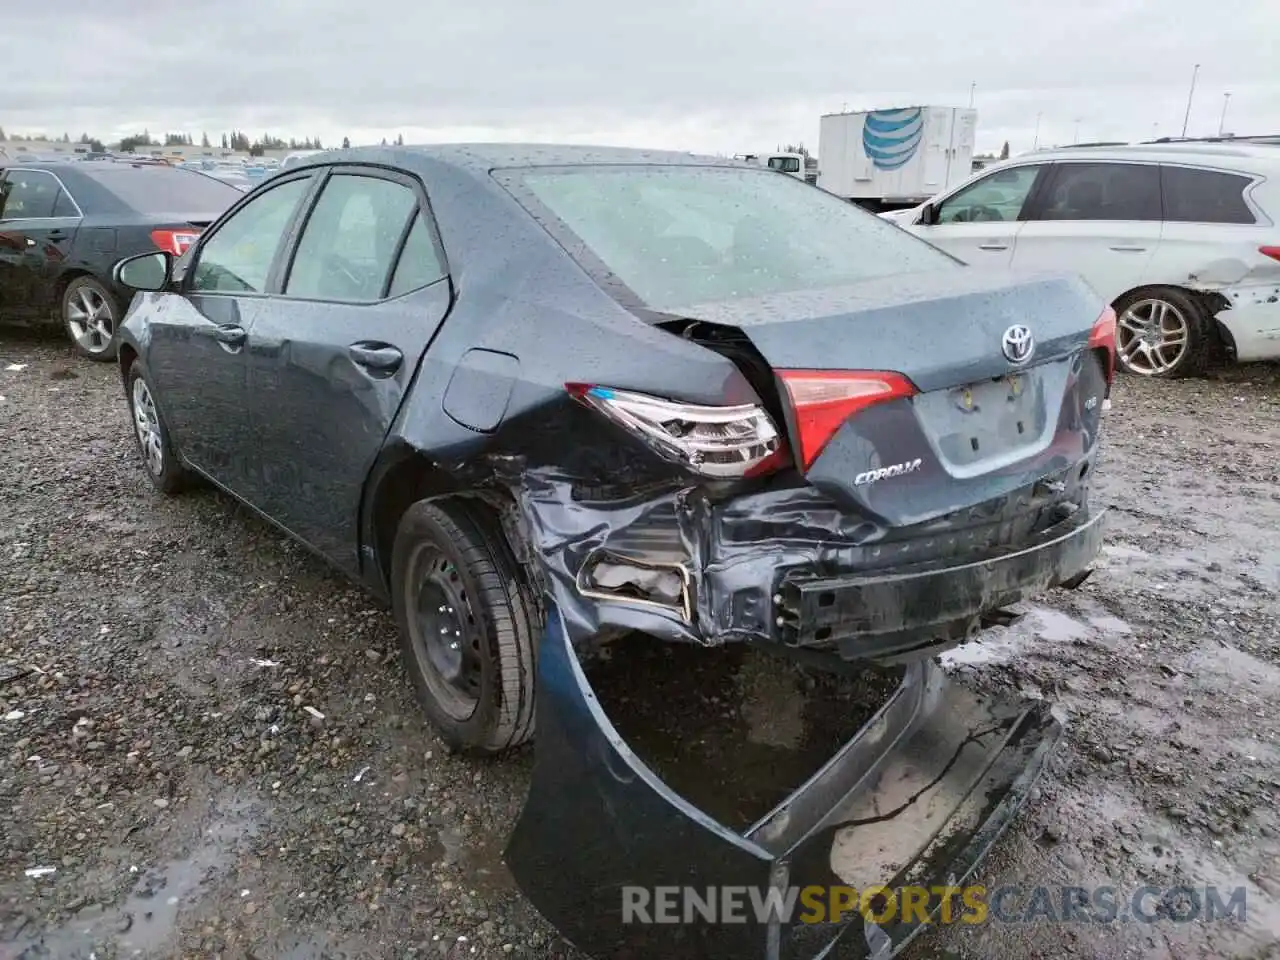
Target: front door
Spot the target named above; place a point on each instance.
(196, 356)
(331, 359)
(980, 223)
(38, 222)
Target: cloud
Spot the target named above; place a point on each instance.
(707, 75)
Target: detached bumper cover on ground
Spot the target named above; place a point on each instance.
(915, 798)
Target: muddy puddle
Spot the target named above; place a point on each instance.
(144, 923)
(732, 730)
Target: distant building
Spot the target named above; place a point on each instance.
(17, 149)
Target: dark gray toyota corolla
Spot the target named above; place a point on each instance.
(541, 397)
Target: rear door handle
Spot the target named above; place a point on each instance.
(56, 235)
(993, 246)
(377, 358)
(230, 334)
(1128, 248)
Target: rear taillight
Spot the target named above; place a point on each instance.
(721, 442)
(174, 241)
(1272, 252)
(1103, 337)
(822, 400)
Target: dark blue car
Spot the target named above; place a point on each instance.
(538, 398)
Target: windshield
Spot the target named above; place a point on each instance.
(785, 164)
(681, 235)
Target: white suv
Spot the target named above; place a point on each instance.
(1181, 237)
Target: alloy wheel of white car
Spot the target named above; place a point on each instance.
(1152, 337)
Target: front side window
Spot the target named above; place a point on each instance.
(238, 257)
(29, 195)
(997, 197)
(677, 236)
(1103, 191)
(348, 246)
(1205, 196)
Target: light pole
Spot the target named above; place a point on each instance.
(1222, 123)
(1077, 137)
(972, 87)
(1191, 93)
(1036, 142)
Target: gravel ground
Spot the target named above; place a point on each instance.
(206, 734)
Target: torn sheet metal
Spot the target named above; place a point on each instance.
(774, 566)
(916, 798)
(1252, 320)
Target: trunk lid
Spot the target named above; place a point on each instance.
(977, 426)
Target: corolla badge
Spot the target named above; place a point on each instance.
(1018, 344)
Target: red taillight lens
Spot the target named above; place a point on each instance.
(1103, 337)
(174, 241)
(822, 400)
(1272, 252)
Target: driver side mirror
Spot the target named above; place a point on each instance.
(149, 272)
(928, 215)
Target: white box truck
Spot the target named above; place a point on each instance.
(890, 159)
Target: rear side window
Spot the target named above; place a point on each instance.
(158, 189)
(64, 206)
(419, 264)
(28, 195)
(1205, 196)
(1102, 191)
(349, 244)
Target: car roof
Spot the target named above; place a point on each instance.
(1245, 155)
(479, 158)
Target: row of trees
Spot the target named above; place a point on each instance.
(235, 140)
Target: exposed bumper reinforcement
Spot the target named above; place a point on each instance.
(878, 615)
(915, 798)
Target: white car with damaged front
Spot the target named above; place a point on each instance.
(1181, 238)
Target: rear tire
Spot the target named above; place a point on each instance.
(1163, 332)
(91, 316)
(468, 626)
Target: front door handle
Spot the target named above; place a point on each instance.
(378, 358)
(56, 235)
(1129, 248)
(230, 334)
(993, 246)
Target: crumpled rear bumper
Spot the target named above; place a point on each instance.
(915, 798)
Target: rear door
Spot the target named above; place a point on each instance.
(981, 223)
(332, 357)
(197, 337)
(1100, 219)
(38, 223)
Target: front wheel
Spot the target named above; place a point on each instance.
(468, 625)
(1163, 332)
(90, 315)
(163, 467)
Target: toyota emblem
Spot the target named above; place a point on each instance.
(1018, 344)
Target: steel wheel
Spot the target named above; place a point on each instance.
(1152, 337)
(444, 633)
(90, 320)
(147, 422)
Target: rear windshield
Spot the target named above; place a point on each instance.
(678, 235)
(161, 190)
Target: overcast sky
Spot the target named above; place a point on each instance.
(706, 75)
